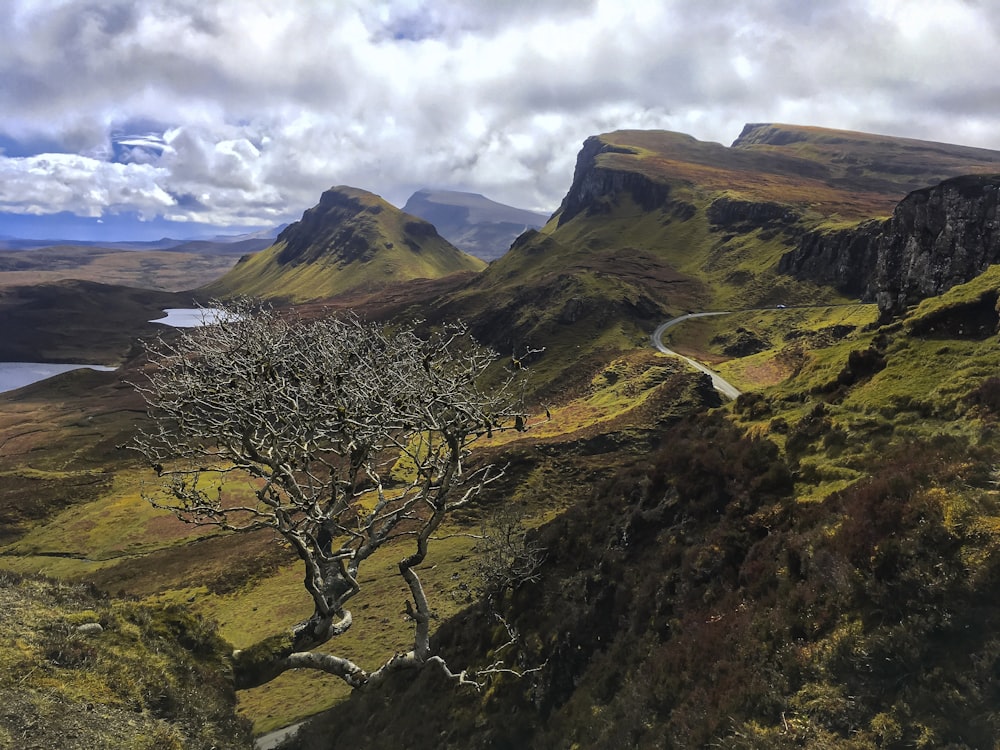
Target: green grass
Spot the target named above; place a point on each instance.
(152, 677)
(396, 254)
(119, 524)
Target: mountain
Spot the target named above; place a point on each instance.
(937, 237)
(216, 245)
(811, 565)
(471, 222)
(350, 240)
(656, 223)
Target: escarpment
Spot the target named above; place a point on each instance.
(841, 258)
(937, 237)
(593, 184)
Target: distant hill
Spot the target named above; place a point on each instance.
(79, 321)
(239, 244)
(167, 270)
(656, 223)
(473, 223)
(351, 240)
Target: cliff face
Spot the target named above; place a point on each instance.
(843, 258)
(593, 184)
(344, 226)
(936, 238)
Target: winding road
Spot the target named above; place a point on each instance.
(720, 384)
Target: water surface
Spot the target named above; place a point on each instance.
(190, 317)
(19, 374)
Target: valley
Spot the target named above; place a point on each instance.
(795, 546)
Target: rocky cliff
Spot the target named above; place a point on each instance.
(936, 238)
(594, 184)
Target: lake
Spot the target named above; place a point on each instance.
(190, 317)
(19, 374)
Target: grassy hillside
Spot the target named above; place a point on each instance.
(352, 240)
(656, 224)
(709, 580)
(79, 670)
(812, 566)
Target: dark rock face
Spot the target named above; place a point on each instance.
(593, 186)
(744, 215)
(844, 259)
(937, 237)
(337, 224)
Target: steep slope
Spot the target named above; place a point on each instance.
(936, 238)
(81, 670)
(351, 240)
(656, 223)
(473, 223)
(813, 569)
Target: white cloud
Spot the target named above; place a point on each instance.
(262, 105)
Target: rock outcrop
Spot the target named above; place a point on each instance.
(937, 237)
(843, 258)
(593, 186)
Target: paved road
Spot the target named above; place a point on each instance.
(722, 385)
(272, 740)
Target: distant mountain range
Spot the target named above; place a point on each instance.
(238, 244)
(473, 223)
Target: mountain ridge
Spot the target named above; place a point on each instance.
(352, 239)
(472, 222)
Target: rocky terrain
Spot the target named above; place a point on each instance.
(937, 237)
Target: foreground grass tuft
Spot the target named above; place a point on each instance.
(80, 670)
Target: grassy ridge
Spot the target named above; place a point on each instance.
(149, 677)
(352, 240)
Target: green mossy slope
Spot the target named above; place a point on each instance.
(352, 240)
(79, 671)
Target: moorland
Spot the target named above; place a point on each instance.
(809, 565)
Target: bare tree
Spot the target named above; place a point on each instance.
(508, 556)
(351, 437)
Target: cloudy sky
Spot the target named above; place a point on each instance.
(178, 117)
